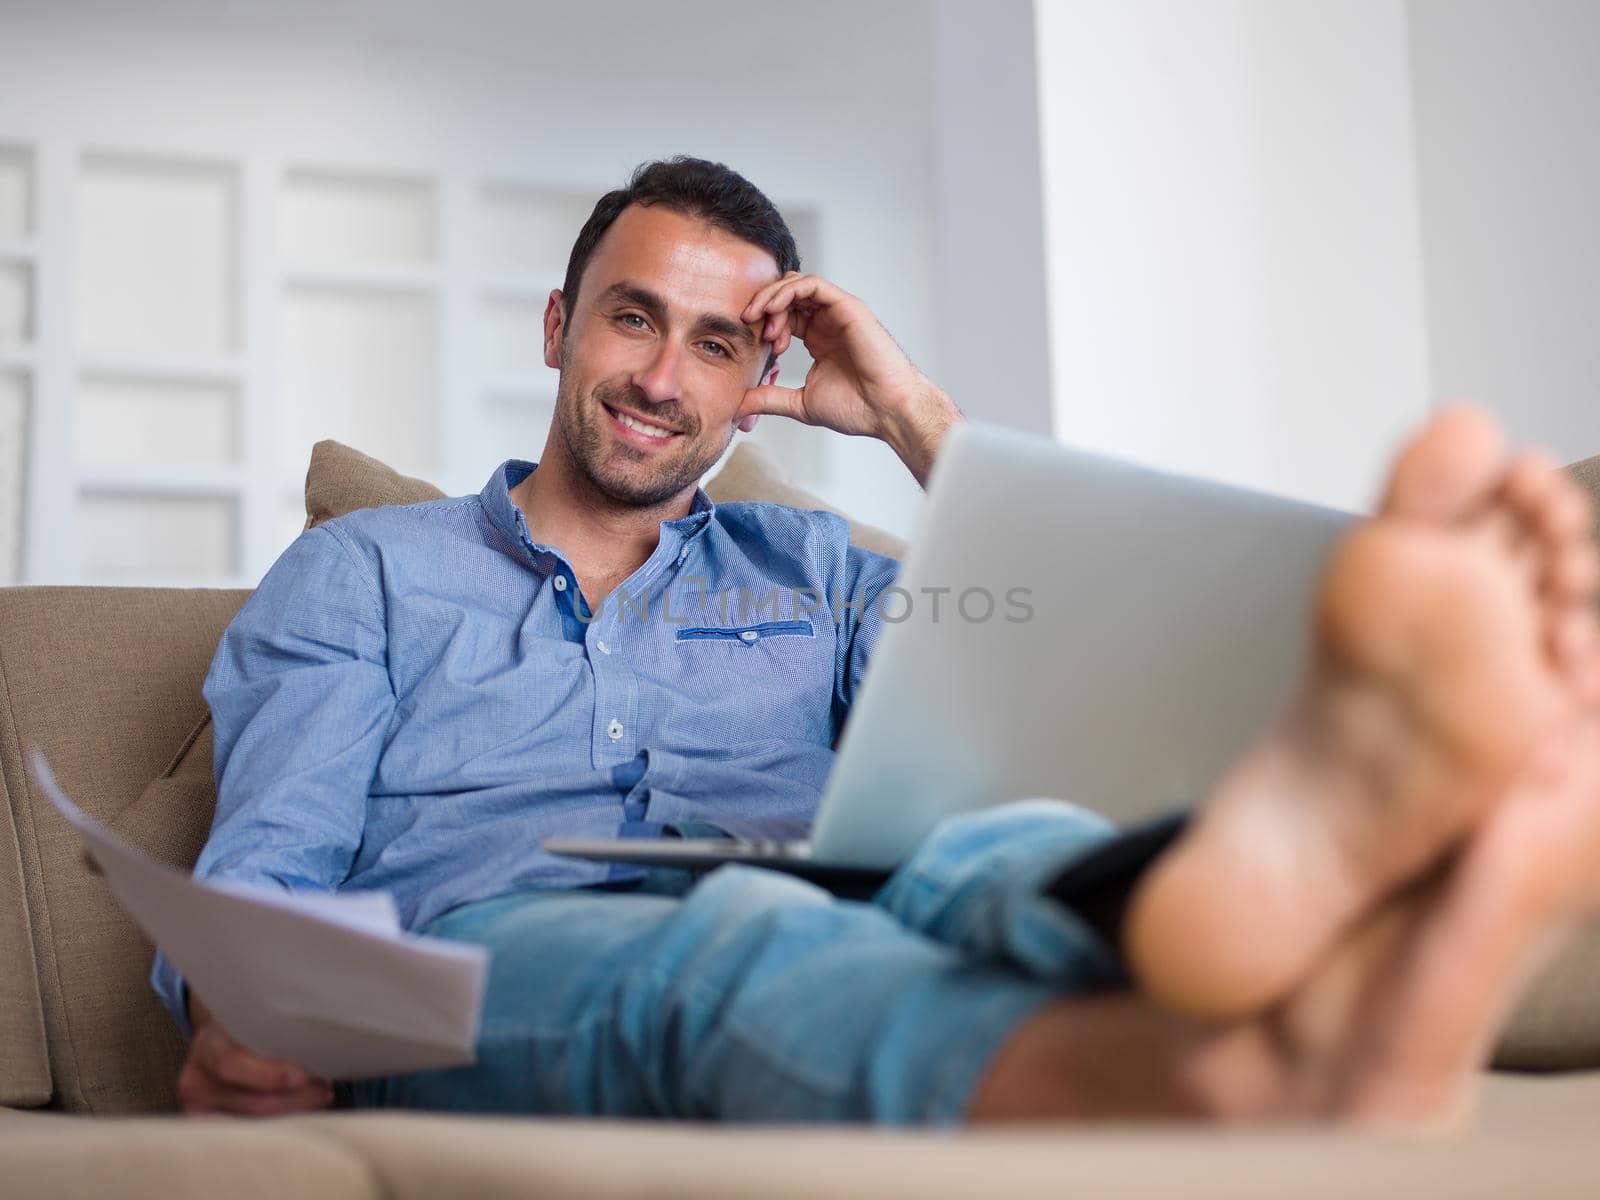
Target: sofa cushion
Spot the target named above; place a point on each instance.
(44, 1156)
(1535, 1140)
(341, 480)
(749, 473)
(1587, 473)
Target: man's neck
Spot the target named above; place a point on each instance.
(605, 541)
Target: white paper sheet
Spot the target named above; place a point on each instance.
(326, 981)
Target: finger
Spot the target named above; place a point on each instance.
(218, 1098)
(788, 293)
(800, 288)
(222, 1057)
(795, 324)
(784, 328)
(753, 309)
(773, 398)
(775, 326)
(781, 328)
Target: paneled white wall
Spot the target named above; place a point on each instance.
(227, 230)
(225, 315)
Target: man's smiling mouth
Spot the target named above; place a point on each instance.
(640, 427)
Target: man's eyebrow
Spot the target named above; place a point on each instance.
(632, 293)
(728, 328)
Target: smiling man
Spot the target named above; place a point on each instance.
(667, 334)
(415, 697)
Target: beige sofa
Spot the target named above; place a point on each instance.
(106, 682)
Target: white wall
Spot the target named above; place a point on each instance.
(1507, 102)
(824, 105)
(1231, 230)
(1226, 191)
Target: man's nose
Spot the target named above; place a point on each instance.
(657, 378)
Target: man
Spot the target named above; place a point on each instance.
(415, 697)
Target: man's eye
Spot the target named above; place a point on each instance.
(716, 348)
(628, 319)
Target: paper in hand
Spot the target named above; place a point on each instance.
(326, 981)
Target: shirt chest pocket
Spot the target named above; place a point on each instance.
(747, 635)
(789, 664)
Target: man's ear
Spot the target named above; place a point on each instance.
(555, 322)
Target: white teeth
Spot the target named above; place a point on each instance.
(635, 423)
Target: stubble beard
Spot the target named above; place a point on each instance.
(595, 453)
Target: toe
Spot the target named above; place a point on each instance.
(1543, 497)
(1573, 642)
(1532, 489)
(1449, 469)
(1569, 514)
(1573, 573)
(1586, 684)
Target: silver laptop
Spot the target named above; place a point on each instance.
(1110, 635)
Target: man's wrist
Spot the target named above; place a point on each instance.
(916, 428)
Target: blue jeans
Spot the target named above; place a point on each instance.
(752, 995)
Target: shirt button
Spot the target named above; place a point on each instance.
(614, 730)
(601, 646)
(559, 583)
(749, 635)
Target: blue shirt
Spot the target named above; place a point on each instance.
(415, 697)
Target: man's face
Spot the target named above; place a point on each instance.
(654, 359)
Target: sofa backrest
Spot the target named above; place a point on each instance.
(106, 682)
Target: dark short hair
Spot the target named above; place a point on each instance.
(710, 191)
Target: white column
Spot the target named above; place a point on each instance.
(1234, 261)
(994, 345)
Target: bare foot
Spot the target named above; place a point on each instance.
(1392, 1028)
(1453, 631)
(1399, 1025)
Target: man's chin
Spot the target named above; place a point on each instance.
(641, 490)
(639, 477)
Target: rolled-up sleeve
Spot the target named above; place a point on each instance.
(301, 701)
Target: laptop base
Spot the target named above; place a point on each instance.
(706, 854)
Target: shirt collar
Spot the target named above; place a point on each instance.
(508, 518)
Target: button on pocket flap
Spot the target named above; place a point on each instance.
(747, 635)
